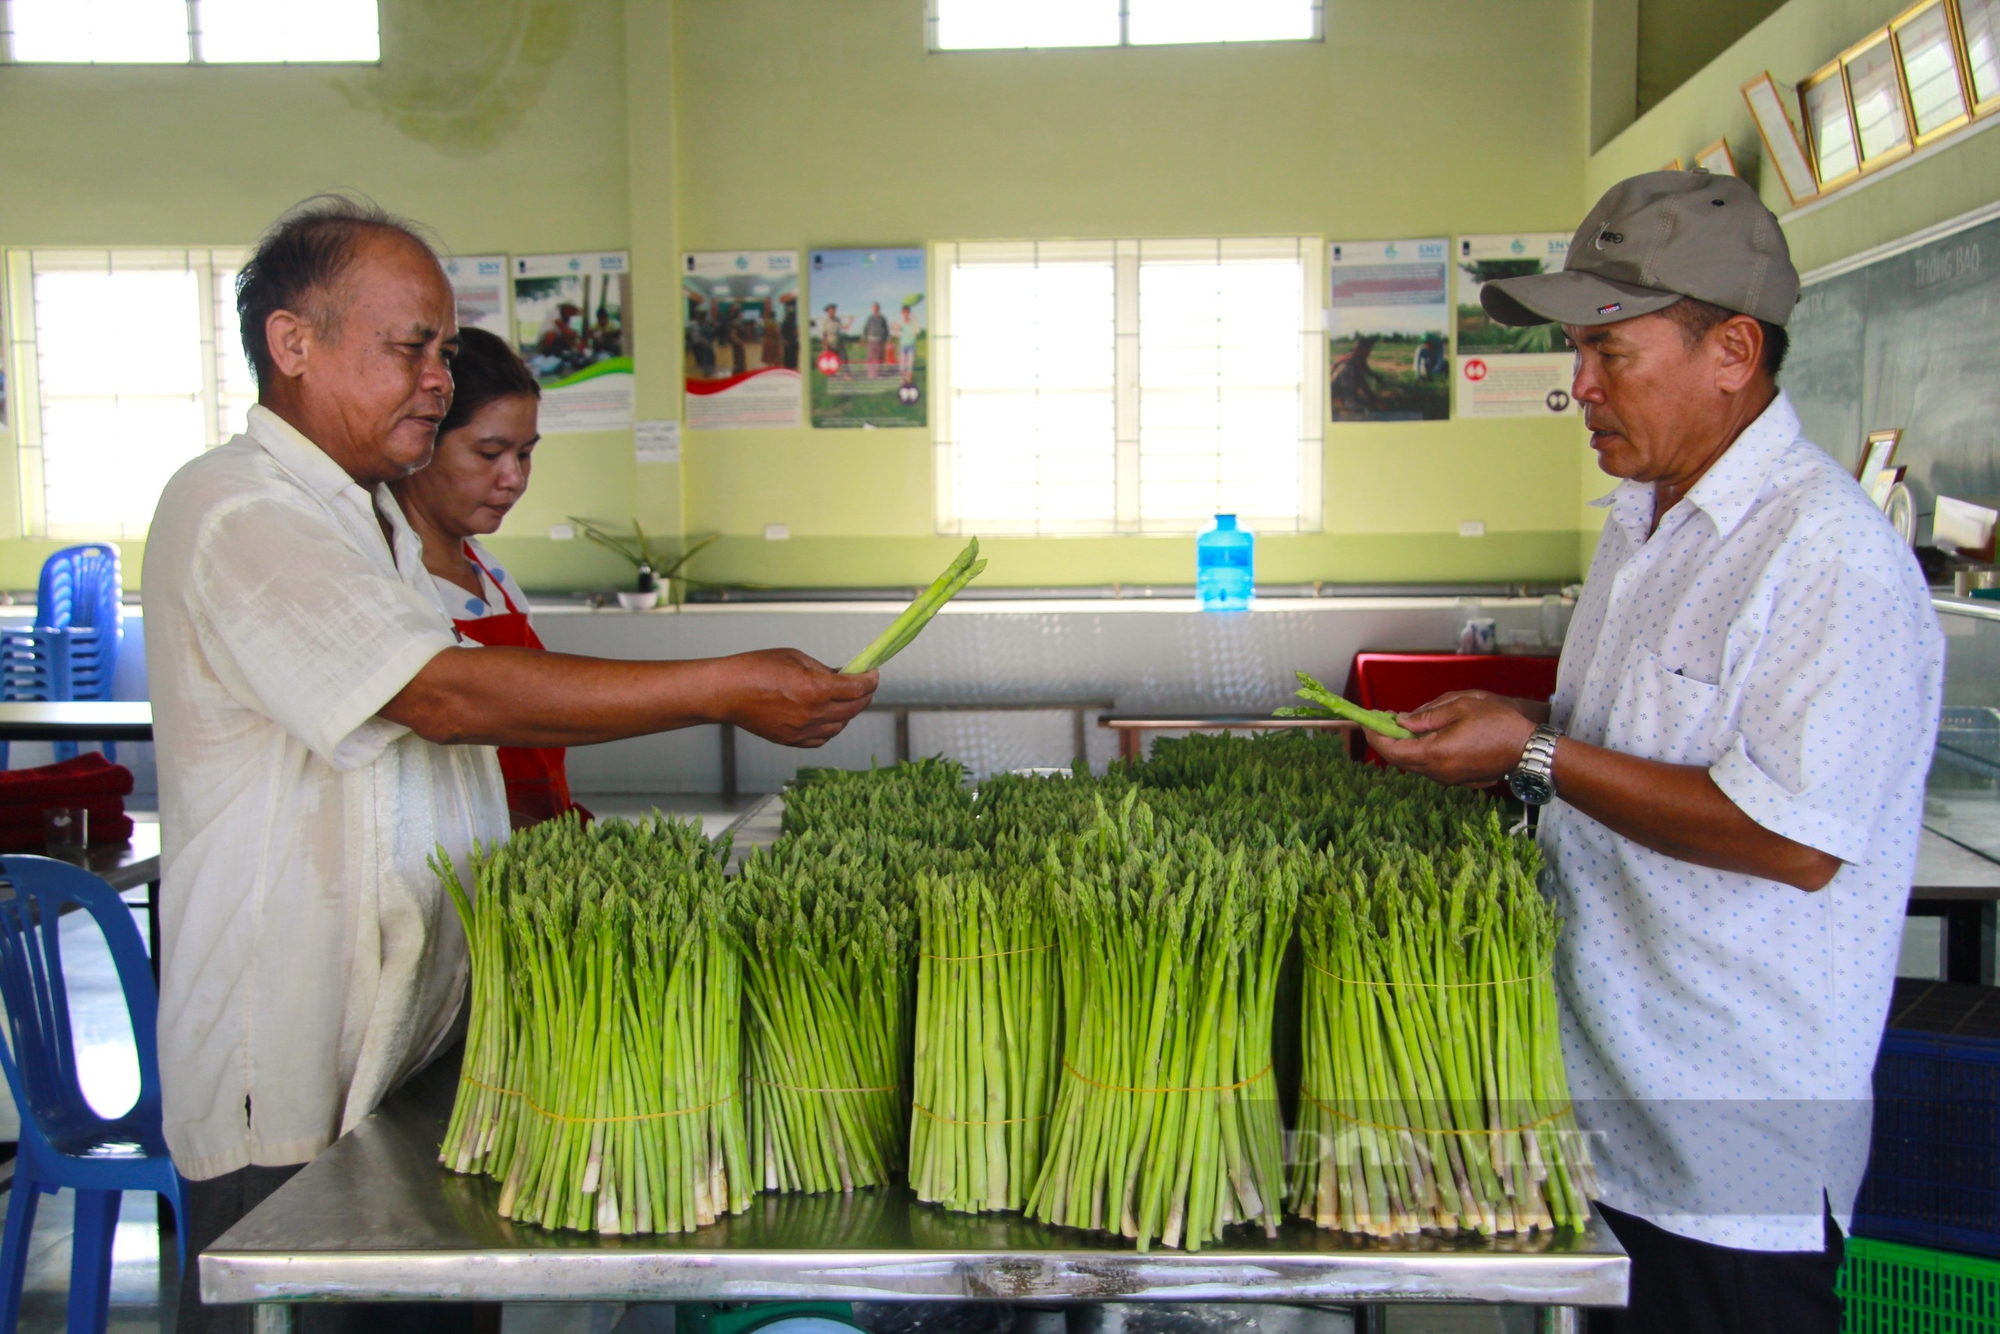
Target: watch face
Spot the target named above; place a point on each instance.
(1532, 788)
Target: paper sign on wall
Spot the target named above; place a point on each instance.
(868, 340)
(1503, 371)
(572, 320)
(656, 441)
(1389, 319)
(479, 286)
(742, 338)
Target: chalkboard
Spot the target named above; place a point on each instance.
(1911, 340)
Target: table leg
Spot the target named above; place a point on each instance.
(1130, 743)
(728, 734)
(1371, 1318)
(153, 929)
(274, 1318)
(1561, 1320)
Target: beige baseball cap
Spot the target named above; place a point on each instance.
(1652, 240)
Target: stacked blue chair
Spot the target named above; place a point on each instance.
(72, 651)
(64, 1142)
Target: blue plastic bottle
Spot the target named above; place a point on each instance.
(1224, 566)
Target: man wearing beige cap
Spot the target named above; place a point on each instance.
(1730, 774)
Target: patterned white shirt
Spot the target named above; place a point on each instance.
(1720, 1029)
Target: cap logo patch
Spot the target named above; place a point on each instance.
(1611, 309)
(1605, 237)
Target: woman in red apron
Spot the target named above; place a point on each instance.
(485, 451)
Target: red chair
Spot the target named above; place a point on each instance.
(1399, 682)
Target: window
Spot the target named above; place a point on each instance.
(129, 366)
(975, 25)
(1128, 386)
(181, 32)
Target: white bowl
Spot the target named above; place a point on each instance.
(639, 601)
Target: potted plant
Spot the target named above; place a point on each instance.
(649, 561)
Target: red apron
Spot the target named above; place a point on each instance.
(537, 787)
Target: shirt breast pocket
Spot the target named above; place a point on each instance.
(1662, 714)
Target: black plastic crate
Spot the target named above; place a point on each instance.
(1934, 1173)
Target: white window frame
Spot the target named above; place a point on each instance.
(194, 47)
(1124, 35)
(1126, 257)
(217, 324)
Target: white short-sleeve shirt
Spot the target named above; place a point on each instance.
(1720, 1029)
(309, 957)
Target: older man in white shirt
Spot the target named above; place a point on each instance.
(1733, 762)
(321, 730)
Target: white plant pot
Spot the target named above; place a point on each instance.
(639, 601)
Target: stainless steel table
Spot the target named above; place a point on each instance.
(376, 1219)
(102, 720)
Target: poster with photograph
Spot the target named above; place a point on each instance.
(479, 286)
(742, 338)
(869, 347)
(1388, 330)
(570, 314)
(1502, 371)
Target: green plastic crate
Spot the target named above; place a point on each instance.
(1891, 1288)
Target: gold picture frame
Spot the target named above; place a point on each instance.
(1878, 455)
(1876, 100)
(1933, 70)
(1674, 165)
(1717, 160)
(1783, 148)
(1829, 126)
(1978, 26)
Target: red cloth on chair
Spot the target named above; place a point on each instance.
(88, 775)
(1399, 682)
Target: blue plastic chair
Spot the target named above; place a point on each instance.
(64, 1143)
(72, 651)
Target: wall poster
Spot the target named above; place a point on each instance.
(1388, 322)
(869, 348)
(741, 345)
(1502, 371)
(479, 285)
(570, 323)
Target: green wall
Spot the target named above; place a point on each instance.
(528, 125)
(1471, 119)
(1956, 176)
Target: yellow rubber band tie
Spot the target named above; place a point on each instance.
(1564, 1110)
(1207, 1088)
(548, 1115)
(1371, 982)
(795, 1088)
(948, 1121)
(997, 954)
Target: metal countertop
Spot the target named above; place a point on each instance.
(376, 1218)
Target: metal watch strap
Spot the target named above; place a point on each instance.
(1538, 757)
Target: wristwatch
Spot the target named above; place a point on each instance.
(1533, 779)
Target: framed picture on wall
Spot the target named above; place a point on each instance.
(1875, 93)
(1717, 160)
(1781, 140)
(1979, 37)
(1877, 456)
(1927, 51)
(1829, 127)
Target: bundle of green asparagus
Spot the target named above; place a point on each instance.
(1166, 1123)
(1434, 1097)
(986, 1053)
(830, 938)
(600, 1079)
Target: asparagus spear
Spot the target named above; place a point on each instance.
(1323, 703)
(963, 570)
